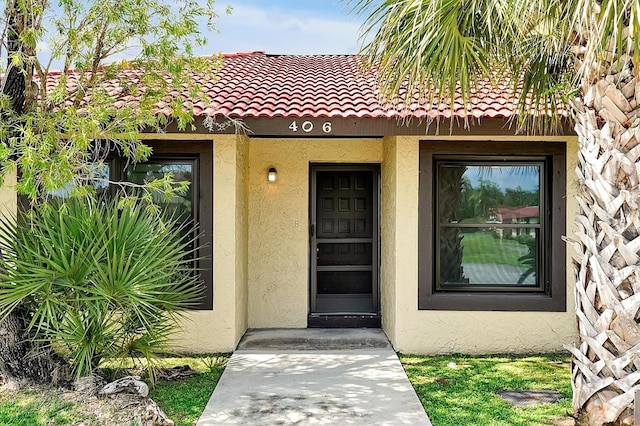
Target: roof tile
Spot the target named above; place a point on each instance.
(255, 84)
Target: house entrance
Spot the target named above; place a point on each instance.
(344, 290)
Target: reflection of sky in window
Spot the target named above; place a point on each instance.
(102, 173)
(99, 172)
(526, 177)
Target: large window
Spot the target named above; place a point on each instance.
(186, 161)
(491, 220)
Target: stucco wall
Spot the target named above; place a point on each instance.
(388, 249)
(279, 222)
(219, 330)
(242, 237)
(8, 198)
(416, 331)
(261, 253)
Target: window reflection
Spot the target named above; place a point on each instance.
(99, 174)
(489, 228)
(487, 193)
(180, 205)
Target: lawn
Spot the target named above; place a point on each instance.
(461, 390)
(182, 400)
(31, 407)
(455, 390)
(484, 248)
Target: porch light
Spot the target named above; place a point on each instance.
(272, 175)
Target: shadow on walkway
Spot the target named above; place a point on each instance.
(314, 377)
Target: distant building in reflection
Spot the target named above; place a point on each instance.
(524, 215)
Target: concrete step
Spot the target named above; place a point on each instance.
(313, 339)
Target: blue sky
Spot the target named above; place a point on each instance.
(286, 26)
(274, 26)
(526, 177)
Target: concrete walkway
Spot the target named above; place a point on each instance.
(314, 377)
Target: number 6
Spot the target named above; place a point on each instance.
(326, 127)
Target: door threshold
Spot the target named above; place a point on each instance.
(344, 321)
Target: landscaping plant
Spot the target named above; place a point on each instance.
(98, 282)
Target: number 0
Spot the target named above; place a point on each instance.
(307, 126)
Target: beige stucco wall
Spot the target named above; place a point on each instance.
(261, 253)
(8, 198)
(278, 273)
(388, 248)
(242, 236)
(220, 329)
(415, 331)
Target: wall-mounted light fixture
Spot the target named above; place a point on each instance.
(272, 175)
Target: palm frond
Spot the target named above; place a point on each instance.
(99, 281)
(439, 52)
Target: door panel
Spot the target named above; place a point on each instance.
(344, 246)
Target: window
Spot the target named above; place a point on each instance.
(187, 161)
(491, 220)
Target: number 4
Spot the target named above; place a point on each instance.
(293, 126)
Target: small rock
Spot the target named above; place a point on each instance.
(130, 384)
(452, 365)
(10, 386)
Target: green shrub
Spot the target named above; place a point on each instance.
(100, 282)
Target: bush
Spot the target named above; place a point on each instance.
(99, 282)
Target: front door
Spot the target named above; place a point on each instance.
(344, 243)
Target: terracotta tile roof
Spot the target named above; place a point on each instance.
(259, 85)
(508, 213)
(254, 84)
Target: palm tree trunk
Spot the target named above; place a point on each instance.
(606, 365)
(22, 360)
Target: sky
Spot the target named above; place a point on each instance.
(301, 27)
(286, 27)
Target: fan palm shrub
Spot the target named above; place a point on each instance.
(99, 282)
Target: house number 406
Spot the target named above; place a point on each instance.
(307, 126)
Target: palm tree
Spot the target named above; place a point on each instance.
(582, 54)
(22, 359)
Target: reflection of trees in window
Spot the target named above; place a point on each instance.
(451, 188)
(486, 198)
(520, 197)
(480, 206)
(98, 177)
(179, 205)
(480, 203)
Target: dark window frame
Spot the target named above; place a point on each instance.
(552, 296)
(201, 154)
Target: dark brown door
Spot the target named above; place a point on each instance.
(344, 240)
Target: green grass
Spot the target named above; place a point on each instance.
(482, 247)
(466, 394)
(29, 407)
(182, 400)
